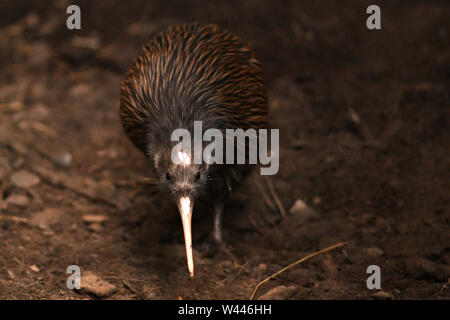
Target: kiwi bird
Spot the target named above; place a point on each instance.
(188, 73)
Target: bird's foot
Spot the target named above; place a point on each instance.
(214, 247)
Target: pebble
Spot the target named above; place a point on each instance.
(38, 112)
(94, 218)
(300, 209)
(18, 200)
(373, 251)
(10, 274)
(261, 268)
(46, 218)
(24, 179)
(279, 293)
(424, 269)
(10, 107)
(79, 90)
(317, 200)
(35, 268)
(62, 158)
(95, 227)
(298, 206)
(93, 284)
(382, 295)
(86, 42)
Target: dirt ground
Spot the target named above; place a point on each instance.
(364, 133)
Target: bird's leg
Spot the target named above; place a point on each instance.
(217, 233)
(215, 244)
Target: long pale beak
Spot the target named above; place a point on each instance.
(186, 205)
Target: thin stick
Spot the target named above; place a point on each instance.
(3, 186)
(14, 219)
(275, 197)
(340, 244)
(266, 198)
(128, 286)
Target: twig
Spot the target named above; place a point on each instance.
(14, 219)
(126, 279)
(3, 186)
(266, 198)
(38, 126)
(275, 198)
(363, 129)
(233, 277)
(128, 286)
(338, 245)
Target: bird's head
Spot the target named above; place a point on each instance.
(186, 181)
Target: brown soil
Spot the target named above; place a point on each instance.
(364, 132)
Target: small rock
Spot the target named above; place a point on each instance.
(95, 227)
(86, 42)
(46, 218)
(10, 274)
(300, 209)
(382, 295)
(62, 158)
(32, 19)
(24, 179)
(424, 269)
(91, 283)
(94, 218)
(35, 268)
(38, 112)
(79, 90)
(279, 293)
(40, 53)
(110, 153)
(373, 251)
(298, 206)
(261, 268)
(317, 200)
(10, 107)
(18, 200)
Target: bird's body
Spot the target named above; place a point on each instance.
(190, 73)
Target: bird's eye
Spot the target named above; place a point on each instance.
(197, 176)
(168, 176)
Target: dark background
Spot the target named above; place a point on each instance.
(364, 133)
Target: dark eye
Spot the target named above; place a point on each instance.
(168, 176)
(197, 176)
